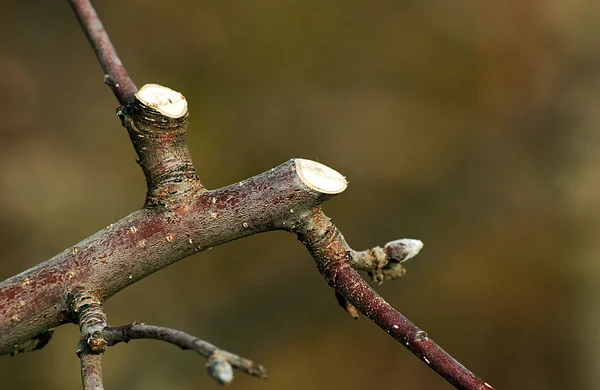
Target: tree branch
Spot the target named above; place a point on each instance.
(217, 357)
(335, 260)
(146, 241)
(96, 337)
(180, 217)
(115, 75)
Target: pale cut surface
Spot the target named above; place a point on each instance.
(320, 177)
(164, 100)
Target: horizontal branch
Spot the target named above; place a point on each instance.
(96, 337)
(138, 330)
(148, 240)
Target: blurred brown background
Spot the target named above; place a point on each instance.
(471, 125)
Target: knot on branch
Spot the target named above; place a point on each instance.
(157, 123)
(91, 318)
(93, 343)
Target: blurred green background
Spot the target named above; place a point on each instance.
(471, 125)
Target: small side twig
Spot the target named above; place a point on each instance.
(96, 337)
(219, 361)
(115, 75)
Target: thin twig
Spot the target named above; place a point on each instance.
(91, 370)
(115, 74)
(138, 330)
(373, 306)
(335, 260)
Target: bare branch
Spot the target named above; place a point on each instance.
(335, 258)
(96, 337)
(180, 217)
(216, 356)
(115, 75)
(145, 242)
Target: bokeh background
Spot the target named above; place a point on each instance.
(471, 125)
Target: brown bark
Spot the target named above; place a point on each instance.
(140, 244)
(180, 217)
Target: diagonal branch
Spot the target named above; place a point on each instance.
(335, 260)
(115, 74)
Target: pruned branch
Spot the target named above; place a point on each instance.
(146, 241)
(179, 218)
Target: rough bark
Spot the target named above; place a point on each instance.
(142, 243)
(180, 217)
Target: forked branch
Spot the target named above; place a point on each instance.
(180, 218)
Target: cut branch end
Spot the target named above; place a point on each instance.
(319, 177)
(168, 102)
